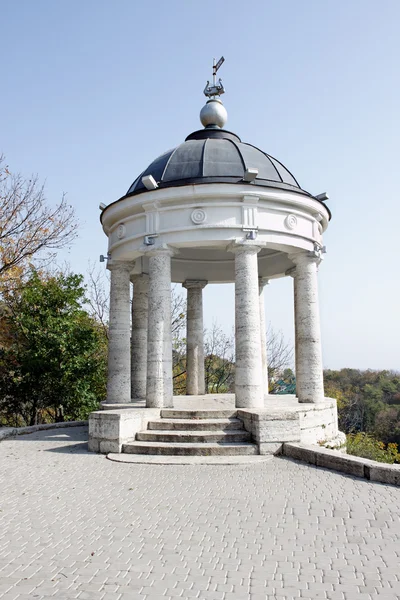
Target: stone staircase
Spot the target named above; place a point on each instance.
(193, 433)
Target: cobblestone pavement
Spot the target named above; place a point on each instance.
(76, 525)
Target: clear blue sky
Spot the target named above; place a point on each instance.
(93, 90)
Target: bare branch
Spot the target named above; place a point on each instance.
(219, 363)
(178, 312)
(279, 352)
(28, 225)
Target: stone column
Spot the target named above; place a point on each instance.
(249, 391)
(139, 335)
(292, 272)
(195, 383)
(159, 340)
(262, 282)
(309, 369)
(119, 359)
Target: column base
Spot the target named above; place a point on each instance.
(134, 403)
(306, 401)
(249, 397)
(311, 401)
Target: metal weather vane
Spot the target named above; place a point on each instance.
(216, 89)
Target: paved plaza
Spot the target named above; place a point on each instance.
(76, 525)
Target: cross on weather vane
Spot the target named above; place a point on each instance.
(216, 89)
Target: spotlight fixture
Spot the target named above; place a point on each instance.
(322, 197)
(149, 182)
(102, 206)
(250, 175)
(104, 258)
(150, 240)
(251, 235)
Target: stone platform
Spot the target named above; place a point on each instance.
(281, 420)
(77, 526)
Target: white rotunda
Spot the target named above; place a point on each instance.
(211, 211)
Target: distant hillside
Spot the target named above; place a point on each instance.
(368, 401)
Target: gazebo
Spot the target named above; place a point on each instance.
(212, 210)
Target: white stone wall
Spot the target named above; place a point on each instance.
(319, 423)
(307, 424)
(110, 429)
(270, 428)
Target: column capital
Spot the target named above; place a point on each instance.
(162, 250)
(248, 247)
(263, 281)
(194, 283)
(120, 265)
(136, 277)
(291, 272)
(304, 258)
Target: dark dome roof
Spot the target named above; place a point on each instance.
(214, 155)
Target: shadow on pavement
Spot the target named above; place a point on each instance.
(70, 449)
(76, 439)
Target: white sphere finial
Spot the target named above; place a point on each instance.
(213, 114)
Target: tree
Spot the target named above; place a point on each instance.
(219, 364)
(220, 359)
(279, 355)
(365, 445)
(52, 352)
(178, 324)
(28, 226)
(387, 425)
(368, 401)
(98, 297)
(285, 383)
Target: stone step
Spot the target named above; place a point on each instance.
(195, 437)
(196, 424)
(171, 449)
(171, 413)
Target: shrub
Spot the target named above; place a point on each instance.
(366, 446)
(52, 353)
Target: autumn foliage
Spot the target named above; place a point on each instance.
(30, 229)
